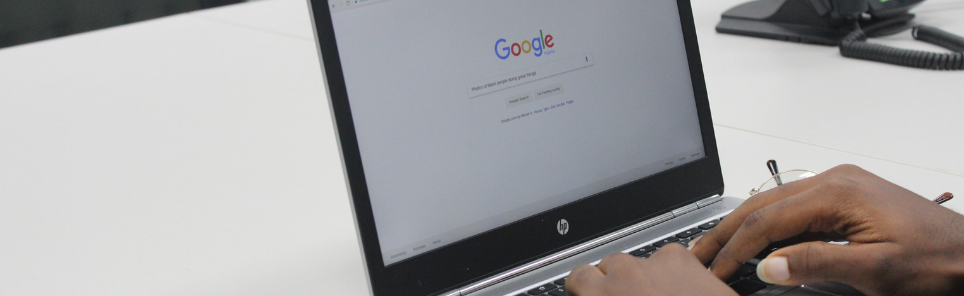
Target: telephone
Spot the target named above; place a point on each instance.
(848, 24)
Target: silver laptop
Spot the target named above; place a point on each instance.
(492, 146)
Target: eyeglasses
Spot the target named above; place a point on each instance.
(779, 178)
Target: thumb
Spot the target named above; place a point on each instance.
(818, 262)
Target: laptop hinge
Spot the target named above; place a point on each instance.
(708, 201)
(685, 209)
(491, 281)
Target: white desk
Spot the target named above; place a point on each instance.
(194, 154)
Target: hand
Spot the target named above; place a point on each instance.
(900, 242)
(670, 271)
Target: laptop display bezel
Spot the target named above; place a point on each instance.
(501, 249)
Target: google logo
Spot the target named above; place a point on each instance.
(536, 45)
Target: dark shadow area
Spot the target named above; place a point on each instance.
(24, 21)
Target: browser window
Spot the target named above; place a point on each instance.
(471, 115)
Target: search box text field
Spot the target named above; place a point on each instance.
(516, 78)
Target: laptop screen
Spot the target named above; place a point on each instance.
(471, 115)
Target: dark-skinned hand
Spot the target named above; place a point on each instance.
(900, 242)
(672, 270)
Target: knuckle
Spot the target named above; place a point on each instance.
(880, 269)
(881, 265)
(578, 275)
(754, 218)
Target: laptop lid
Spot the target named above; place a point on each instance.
(480, 135)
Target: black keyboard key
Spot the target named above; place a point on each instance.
(756, 277)
(542, 289)
(646, 249)
(666, 241)
(709, 225)
(746, 270)
(558, 292)
(561, 282)
(688, 233)
(766, 252)
(753, 262)
(685, 242)
(733, 279)
(642, 250)
(747, 287)
(523, 294)
(645, 255)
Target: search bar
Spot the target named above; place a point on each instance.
(513, 79)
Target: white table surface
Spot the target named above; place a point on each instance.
(194, 154)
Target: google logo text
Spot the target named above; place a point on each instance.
(534, 46)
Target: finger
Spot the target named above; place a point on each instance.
(820, 262)
(582, 279)
(675, 253)
(808, 211)
(611, 261)
(713, 241)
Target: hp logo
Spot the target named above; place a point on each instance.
(562, 226)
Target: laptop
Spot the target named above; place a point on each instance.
(492, 146)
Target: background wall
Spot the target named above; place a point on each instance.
(23, 21)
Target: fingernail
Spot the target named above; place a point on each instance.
(693, 243)
(773, 270)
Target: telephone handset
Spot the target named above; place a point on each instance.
(848, 24)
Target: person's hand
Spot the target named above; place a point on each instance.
(670, 271)
(900, 242)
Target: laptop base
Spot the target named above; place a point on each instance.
(745, 285)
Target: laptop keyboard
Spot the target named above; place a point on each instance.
(744, 282)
